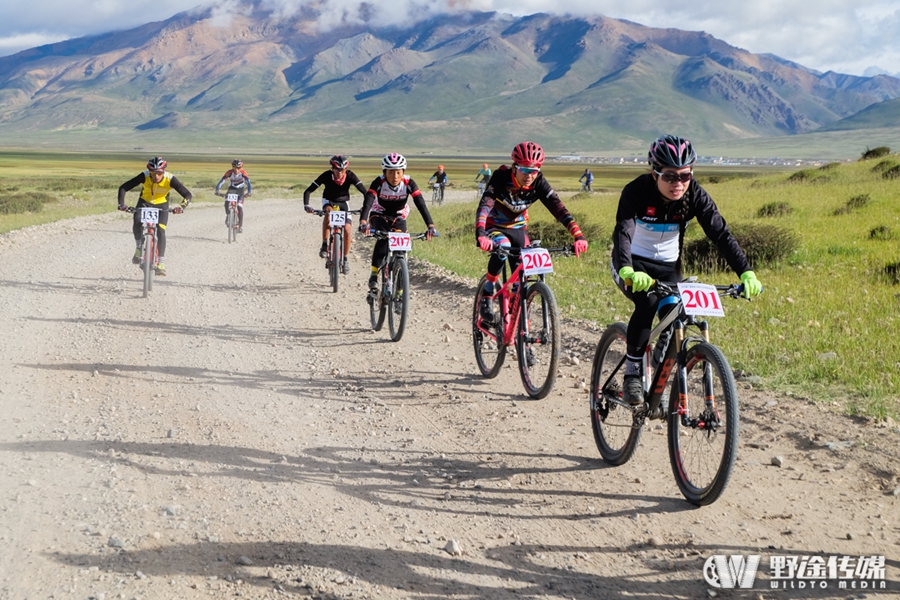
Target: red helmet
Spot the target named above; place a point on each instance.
(528, 154)
(484, 166)
(440, 167)
(157, 163)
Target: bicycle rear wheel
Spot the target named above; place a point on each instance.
(614, 431)
(538, 349)
(399, 303)
(337, 250)
(487, 338)
(147, 263)
(703, 448)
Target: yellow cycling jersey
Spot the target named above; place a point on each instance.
(155, 193)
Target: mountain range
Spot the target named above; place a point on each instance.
(469, 81)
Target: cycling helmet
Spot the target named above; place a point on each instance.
(671, 151)
(528, 154)
(157, 163)
(440, 167)
(484, 166)
(237, 163)
(339, 161)
(393, 161)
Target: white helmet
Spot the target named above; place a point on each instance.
(393, 161)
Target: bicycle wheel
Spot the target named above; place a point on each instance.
(147, 261)
(378, 308)
(702, 451)
(538, 349)
(614, 431)
(488, 339)
(337, 250)
(229, 223)
(398, 308)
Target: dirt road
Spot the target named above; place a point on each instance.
(243, 433)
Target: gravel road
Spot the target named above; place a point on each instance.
(243, 433)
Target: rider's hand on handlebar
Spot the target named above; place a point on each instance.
(123, 207)
(431, 233)
(752, 286)
(485, 243)
(640, 281)
(581, 247)
(364, 227)
(309, 208)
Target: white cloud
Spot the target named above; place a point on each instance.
(837, 35)
(17, 43)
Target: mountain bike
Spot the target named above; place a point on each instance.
(480, 192)
(437, 194)
(525, 314)
(392, 299)
(586, 187)
(149, 250)
(231, 220)
(337, 219)
(703, 420)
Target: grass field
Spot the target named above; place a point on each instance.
(823, 328)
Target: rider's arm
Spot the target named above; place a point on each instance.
(416, 194)
(247, 179)
(355, 182)
(308, 191)
(716, 229)
(219, 186)
(179, 187)
(369, 200)
(551, 200)
(623, 232)
(128, 186)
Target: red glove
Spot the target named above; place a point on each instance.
(580, 247)
(485, 244)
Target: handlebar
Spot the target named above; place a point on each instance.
(504, 251)
(381, 235)
(734, 290)
(322, 213)
(175, 209)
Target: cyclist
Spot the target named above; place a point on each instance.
(484, 174)
(157, 182)
(336, 192)
(440, 177)
(588, 179)
(653, 212)
(238, 183)
(388, 202)
(502, 215)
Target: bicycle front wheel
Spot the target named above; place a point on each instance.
(537, 341)
(613, 424)
(147, 263)
(229, 223)
(377, 307)
(488, 338)
(703, 441)
(337, 250)
(399, 303)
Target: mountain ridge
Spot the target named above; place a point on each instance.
(477, 79)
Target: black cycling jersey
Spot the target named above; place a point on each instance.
(333, 191)
(649, 227)
(505, 204)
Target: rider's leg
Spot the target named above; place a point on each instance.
(240, 212)
(348, 230)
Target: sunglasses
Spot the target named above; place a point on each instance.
(160, 172)
(529, 170)
(670, 177)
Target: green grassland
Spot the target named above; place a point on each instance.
(825, 327)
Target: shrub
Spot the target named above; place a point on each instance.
(892, 173)
(554, 235)
(763, 245)
(892, 271)
(875, 152)
(22, 203)
(858, 201)
(804, 175)
(883, 166)
(775, 209)
(830, 166)
(882, 232)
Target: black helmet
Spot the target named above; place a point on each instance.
(671, 151)
(237, 163)
(339, 161)
(157, 163)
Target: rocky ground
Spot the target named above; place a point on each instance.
(243, 433)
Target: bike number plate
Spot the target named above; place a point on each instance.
(399, 242)
(536, 261)
(232, 197)
(150, 215)
(701, 299)
(337, 218)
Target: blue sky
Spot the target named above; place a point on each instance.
(860, 37)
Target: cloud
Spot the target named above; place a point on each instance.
(837, 35)
(17, 43)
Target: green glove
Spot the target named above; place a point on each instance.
(640, 281)
(752, 286)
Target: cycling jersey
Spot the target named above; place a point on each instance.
(334, 191)
(384, 199)
(651, 228)
(485, 175)
(588, 177)
(505, 204)
(152, 192)
(236, 178)
(439, 177)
